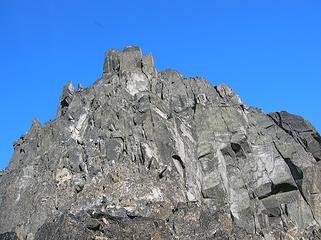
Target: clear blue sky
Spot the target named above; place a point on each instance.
(268, 51)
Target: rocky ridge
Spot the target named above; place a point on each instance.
(143, 154)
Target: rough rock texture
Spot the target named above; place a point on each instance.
(148, 155)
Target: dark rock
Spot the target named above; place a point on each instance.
(9, 236)
(301, 130)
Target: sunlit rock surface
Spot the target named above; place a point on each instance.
(143, 154)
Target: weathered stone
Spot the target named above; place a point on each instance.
(148, 155)
(65, 99)
(8, 236)
(301, 130)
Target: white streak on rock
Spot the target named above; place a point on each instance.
(136, 83)
(78, 129)
(159, 112)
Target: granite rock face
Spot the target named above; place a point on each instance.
(143, 154)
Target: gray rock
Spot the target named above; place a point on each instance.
(143, 154)
(301, 130)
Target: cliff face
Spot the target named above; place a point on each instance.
(148, 155)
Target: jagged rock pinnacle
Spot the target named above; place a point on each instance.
(35, 123)
(131, 59)
(143, 154)
(66, 98)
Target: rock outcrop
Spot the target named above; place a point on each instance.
(143, 154)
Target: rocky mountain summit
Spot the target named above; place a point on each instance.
(143, 154)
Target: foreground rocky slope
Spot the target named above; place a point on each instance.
(147, 155)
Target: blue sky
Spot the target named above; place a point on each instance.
(269, 52)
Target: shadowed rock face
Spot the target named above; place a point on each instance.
(148, 155)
